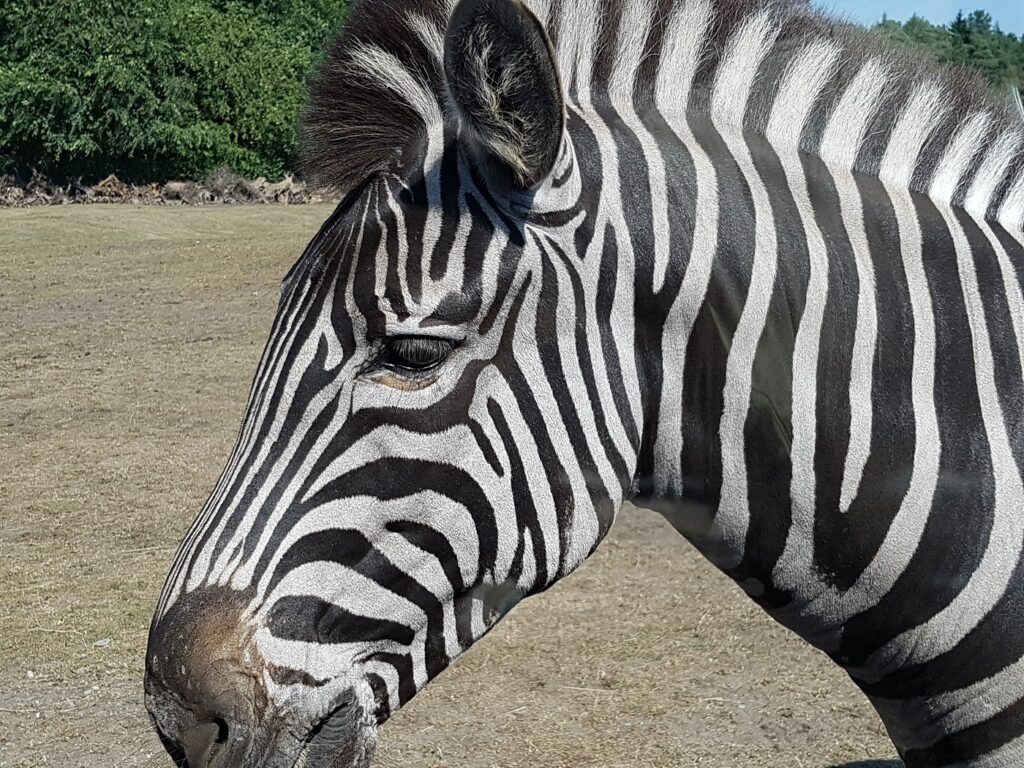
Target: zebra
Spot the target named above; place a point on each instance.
(731, 260)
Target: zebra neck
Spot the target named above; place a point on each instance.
(722, 442)
(722, 379)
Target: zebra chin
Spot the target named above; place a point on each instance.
(215, 702)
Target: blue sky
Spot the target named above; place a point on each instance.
(1009, 13)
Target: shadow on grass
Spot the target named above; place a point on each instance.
(871, 764)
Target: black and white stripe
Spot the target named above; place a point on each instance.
(771, 287)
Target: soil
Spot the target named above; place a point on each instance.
(129, 337)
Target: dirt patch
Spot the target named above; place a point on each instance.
(130, 337)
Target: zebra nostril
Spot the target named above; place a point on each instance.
(206, 743)
(222, 731)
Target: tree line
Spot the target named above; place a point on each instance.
(172, 89)
(972, 40)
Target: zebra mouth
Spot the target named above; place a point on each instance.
(339, 740)
(311, 757)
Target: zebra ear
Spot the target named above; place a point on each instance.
(504, 85)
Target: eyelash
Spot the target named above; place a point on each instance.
(412, 355)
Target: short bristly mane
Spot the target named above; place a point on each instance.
(382, 85)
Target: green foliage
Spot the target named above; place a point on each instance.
(156, 89)
(972, 40)
(161, 89)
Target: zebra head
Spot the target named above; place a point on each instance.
(442, 421)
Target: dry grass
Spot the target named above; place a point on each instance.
(128, 340)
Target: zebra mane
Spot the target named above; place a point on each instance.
(381, 89)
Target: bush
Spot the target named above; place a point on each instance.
(156, 89)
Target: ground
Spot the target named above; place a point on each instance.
(128, 337)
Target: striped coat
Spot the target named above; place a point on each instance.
(730, 260)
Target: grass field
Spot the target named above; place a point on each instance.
(128, 337)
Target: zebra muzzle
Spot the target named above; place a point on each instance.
(206, 692)
(204, 740)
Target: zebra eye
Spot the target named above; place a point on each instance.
(415, 353)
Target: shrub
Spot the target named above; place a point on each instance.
(156, 89)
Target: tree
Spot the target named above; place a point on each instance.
(973, 40)
(156, 89)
